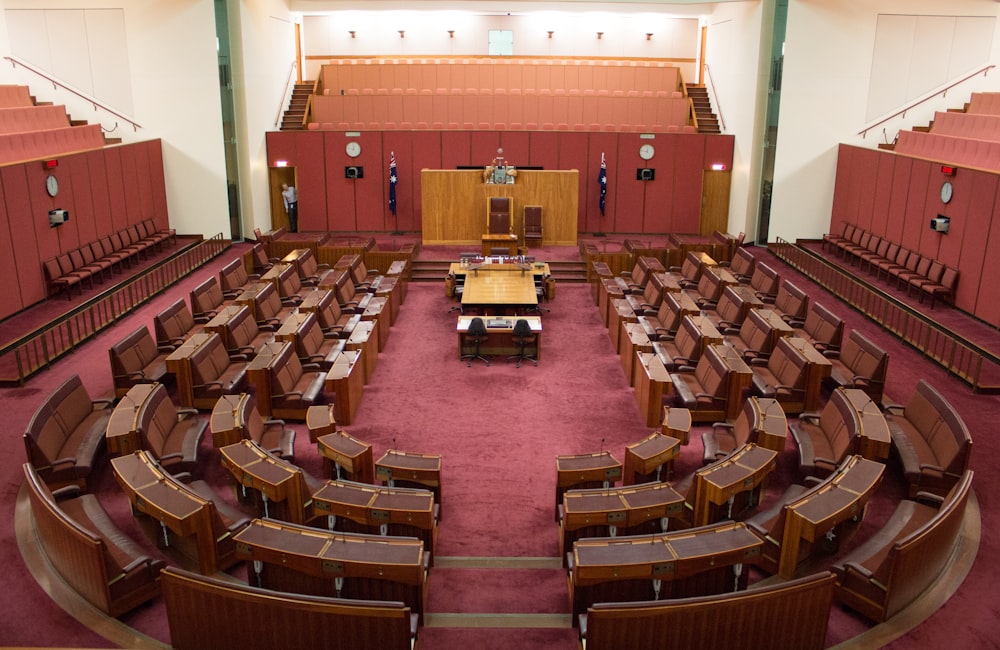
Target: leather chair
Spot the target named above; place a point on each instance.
(532, 225)
(206, 299)
(294, 387)
(173, 325)
(523, 337)
(498, 218)
(476, 335)
(136, 360)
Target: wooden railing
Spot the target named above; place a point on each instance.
(34, 351)
(972, 364)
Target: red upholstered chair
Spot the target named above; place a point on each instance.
(294, 388)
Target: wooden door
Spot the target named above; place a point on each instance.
(277, 177)
(715, 201)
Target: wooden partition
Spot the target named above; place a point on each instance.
(454, 204)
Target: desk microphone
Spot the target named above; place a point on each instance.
(602, 444)
(394, 444)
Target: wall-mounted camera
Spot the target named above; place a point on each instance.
(941, 223)
(645, 174)
(58, 217)
(354, 172)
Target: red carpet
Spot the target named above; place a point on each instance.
(499, 429)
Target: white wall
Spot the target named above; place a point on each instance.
(828, 61)
(262, 36)
(172, 69)
(733, 49)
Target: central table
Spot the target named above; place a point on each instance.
(497, 288)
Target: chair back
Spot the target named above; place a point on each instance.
(477, 328)
(522, 329)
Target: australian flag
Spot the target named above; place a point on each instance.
(602, 179)
(393, 179)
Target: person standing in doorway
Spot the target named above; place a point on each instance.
(291, 199)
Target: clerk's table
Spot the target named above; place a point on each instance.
(500, 335)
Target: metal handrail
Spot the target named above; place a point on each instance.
(715, 95)
(58, 84)
(285, 96)
(985, 70)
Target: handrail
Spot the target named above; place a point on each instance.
(58, 84)
(285, 96)
(718, 104)
(985, 70)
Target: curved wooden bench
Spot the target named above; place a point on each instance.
(66, 433)
(796, 612)
(90, 553)
(209, 613)
(893, 568)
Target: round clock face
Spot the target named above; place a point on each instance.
(946, 192)
(51, 185)
(646, 151)
(353, 149)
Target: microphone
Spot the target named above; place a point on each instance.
(394, 444)
(602, 444)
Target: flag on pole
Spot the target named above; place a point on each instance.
(602, 178)
(393, 179)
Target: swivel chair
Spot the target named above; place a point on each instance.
(476, 335)
(457, 290)
(523, 337)
(540, 281)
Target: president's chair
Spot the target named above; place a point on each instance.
(523, 337)
(476, 335)
(498, 217)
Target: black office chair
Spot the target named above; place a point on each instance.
(457, 289)
(523, 337)
(475, 335)
(540, 294)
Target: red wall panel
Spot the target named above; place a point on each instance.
(916, 198)
(883, 195)
(606, 143)
(130, 191)
(159, 189)
(456, 147)
(841, 188)
(988, 300)
(408, 173)
(23, 237)
(99, 195)
(427, 152)
(83, 204)
(867, 170)
(311, 179)
(950, 245)
(573, 149)
(484, 145)
(690, 162)
(116, 189)
(659, 209)
(10, 292)
(978, 230)
(629, 193)
(897, 203)
(544, 149)
(341, 208)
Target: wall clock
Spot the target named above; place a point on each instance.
(646, 151)
(353, 149)
(51, 185)
(946, 192)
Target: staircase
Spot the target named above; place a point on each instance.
(296, 111)
(707, 120)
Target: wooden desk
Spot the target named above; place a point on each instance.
(159, 495)
(179, 363)
(346, 380)
(364, 338)
(841, 498)
(259, 374)
(818, 370)
(379, 510)
(633, 339)
(740, 378)
(696, 561)
(220, 324)
(596, 272)
(650, 459)
(600, 469)
(499, 287)
(293, 258)
(718, 485)
(620, 311)
(506, 240)
(123, 435)
(500, 341)
(621, 510)
(345, 457)
(874, 442)
(380, 311)
(608, 291)
(293, 331)
(249, 297)
(778, 328)
(288, 557)
(652, 382)
(404, 469)
(281, 485)
(771, 424)
(748, 299)
(676, 423)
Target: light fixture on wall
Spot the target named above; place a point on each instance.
(600, 35)
(649, 36)
(551, 32)
(451, 33)
(718, 167)
(402, 33)
(281, 163)
(352, 33)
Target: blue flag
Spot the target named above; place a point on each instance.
(602, 179)
(393, 179)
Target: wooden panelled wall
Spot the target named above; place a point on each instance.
(104, 191)
(896, 196)
(455, 205)
(329, 201)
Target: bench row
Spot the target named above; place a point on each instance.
(901, 266)
(16, 147)
(440, 111)
(21, 119)
(102, 257)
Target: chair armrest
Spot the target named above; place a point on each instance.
(238, 357)
(311, 366)
(62, 461)
(789, 390)
(67, 492)
(685, 368)
(214, 382)
(176, 454)
(854, 566)
(825, 461)
(927, 497)
(707, 303)
(894, 409)
(861, 380)
(102, 403)
(935, 468)
(273, 421)
(758, 361)
(709, 397)
(184, 412)
(812, 480)
(294, 392)
(791, 320)
(165, 348)
(809, 416)
(722, 425)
